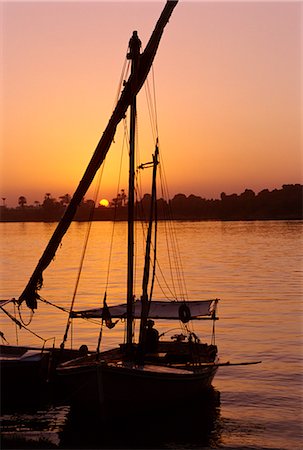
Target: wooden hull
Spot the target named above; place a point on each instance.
(23, 375)
(104, 384)
(106, 381)
(28, 374)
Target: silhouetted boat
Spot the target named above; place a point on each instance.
(173, 370)
(164, 371)
(28, 374)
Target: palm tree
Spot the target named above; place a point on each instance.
(65, 199)
(22, 201)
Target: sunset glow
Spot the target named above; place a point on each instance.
(227, 86)
(104, 202)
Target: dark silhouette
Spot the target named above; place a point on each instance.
(65, 199)
(22, 201)
(279, 204)
(151, 338)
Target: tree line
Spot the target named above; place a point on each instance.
(285, 203)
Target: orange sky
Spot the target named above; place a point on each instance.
(227, 83)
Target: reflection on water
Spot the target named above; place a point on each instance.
(191, 425)
(38, 428)
(255, 268)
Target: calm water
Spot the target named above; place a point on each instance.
(255, 268)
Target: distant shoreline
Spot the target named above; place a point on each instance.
(163, 220)
(279, 204)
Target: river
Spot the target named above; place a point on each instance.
(254, 268)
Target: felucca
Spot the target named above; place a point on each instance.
(164, 371)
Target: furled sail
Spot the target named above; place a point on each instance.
(132, 87)
(169, 310)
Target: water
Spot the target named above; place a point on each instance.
(255, 268)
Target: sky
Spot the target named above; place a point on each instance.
(227, 87)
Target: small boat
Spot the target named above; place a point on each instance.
(166, 371)
(35, 364)
(32, 364)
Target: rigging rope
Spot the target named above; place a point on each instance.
(125, 137)
(54, 305)
(155, 102)
(171, 232)
(16, 328)
(123, 77)
(152, 114)
(21, 319)
(20, 325)
(155, 251)
(69, 320)
(125, 140)
(173, 252)
(175, 265)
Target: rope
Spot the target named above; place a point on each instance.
(61, 308)
(123, 77)
(20, 325)
(155, 101)
(170, 231)
(16, 328)
(175, 266)
(152, 105)
(125, 140)
(115, 212)
(155, 252)
(20, 316)
(173, 252)
(69, 320)
(152, 116)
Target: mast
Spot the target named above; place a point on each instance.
(133, 55)
(145, 301)
(132, 87)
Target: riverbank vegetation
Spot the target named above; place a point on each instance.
(278, 204)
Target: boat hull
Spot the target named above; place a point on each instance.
(24, 373)
(106, 385)
(106, 382)
(28, 374)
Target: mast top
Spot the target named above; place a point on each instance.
(134, 46)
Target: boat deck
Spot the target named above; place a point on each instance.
(177, 356)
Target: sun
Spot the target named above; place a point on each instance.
(104, 202)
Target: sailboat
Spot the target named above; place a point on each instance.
(167, 371)
(162, 370)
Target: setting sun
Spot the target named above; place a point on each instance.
(104, 202)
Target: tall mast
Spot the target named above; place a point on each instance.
(145, 301)
(133, 55)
